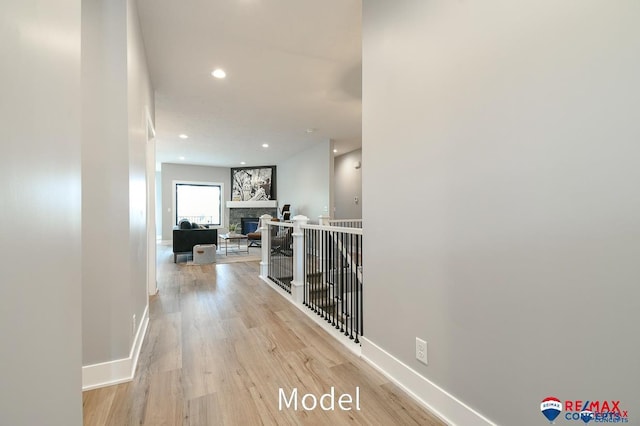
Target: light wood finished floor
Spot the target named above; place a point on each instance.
(221, 343)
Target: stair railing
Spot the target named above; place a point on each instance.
(346, 223)
(321, 268)
(333, 277)
(280, 253)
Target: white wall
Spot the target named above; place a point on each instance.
(116, 97)
(305, 181)
(40, 208)
(512, 127)
(172, 172)
(159, 215)
(141, 109)
(348, 185)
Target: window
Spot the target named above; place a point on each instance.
(199, 202)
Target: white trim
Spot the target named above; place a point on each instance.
(343, 229)
(251, 204)
(441, 403)
(340, 337)
(150, 125)
(120, 370)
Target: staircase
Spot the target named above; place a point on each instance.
(337, 298)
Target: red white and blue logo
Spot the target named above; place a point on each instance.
(586, 411)
(551, 408)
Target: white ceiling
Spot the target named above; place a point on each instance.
(291, 65)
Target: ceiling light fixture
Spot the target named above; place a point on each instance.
(335, 150)
(265, 145)
(183, 136)
(181, 158)
(243, 163)
(219, 73)
(310, 130)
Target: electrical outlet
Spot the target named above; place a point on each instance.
(421, 350)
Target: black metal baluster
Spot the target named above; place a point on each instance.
(318, 277)
(275, 258)
(348, 282)
(288, 257)
(270, 259)
(360, 287)
(318, 294)
(314, 245)
(332, 262)
(336, 272)
(333, 300)
(343, 284)
(278, 263)
(327, 266)
(326, 294)
(304, 267)
(356, 285)
(312, 242)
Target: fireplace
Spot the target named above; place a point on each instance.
(238, 215)
(249, 224)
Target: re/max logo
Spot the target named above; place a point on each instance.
(595, 406)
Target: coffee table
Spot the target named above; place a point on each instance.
(233, 237)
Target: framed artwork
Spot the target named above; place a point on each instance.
(253, 183)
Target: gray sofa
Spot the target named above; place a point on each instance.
(184, 238)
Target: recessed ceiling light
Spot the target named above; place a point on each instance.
(243, 163)
(183, 136)
(265, 145)
(181, 158)
(335, 150)
(219, 73)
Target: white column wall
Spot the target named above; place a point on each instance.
(117, 97)
(107, 304)
(40, 211)
(510, 129)
(141, 109)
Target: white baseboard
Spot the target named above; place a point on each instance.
(117, 371)
(441, 403)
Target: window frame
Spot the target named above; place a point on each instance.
(174, 186)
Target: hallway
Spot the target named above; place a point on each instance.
(221, 344)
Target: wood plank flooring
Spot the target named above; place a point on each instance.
(220, 345)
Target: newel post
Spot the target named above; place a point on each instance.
(323, 220)
(297, 285)
(265, 244)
